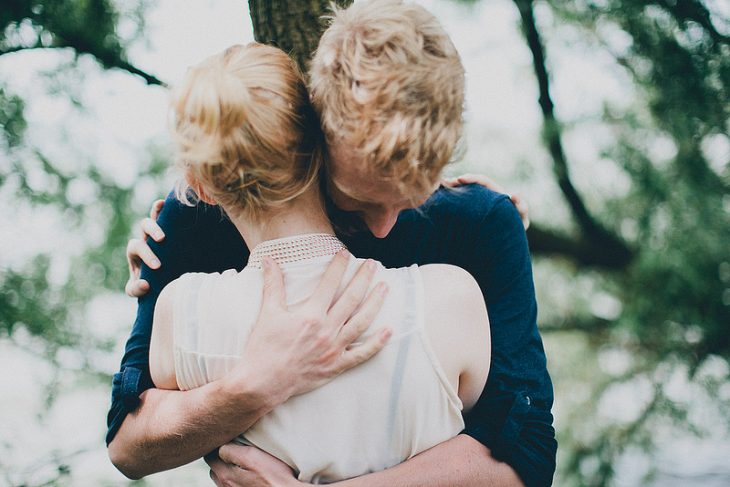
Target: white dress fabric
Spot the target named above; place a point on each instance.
(371, 417)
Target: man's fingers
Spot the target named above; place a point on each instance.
(151, 228)
(481, 180)
(362, 320)
(215, 479)
(233, 454)
(354, 294)
(450, 182)
(330, 282)
(136, 288)
(274, 292)
(139, 250)
(219, 470)
(361, 353)
(156, 209)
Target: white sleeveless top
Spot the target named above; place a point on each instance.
(371, 417)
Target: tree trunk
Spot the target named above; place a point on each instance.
(294, 26)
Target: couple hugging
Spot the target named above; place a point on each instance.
(352, 344)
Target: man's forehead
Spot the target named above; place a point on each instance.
(354, 176)
(365, 185)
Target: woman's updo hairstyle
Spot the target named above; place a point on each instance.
(245, 130)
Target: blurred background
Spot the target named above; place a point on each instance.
(610, 116)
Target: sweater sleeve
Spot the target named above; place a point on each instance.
(513, 415)
(197, 239)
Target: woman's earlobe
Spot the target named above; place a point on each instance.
(203, 196)
(199, 191)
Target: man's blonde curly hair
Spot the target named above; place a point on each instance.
(388, 82)
(246, 131)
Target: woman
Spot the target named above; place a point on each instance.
(250, 143)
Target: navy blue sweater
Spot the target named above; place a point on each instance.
(473, 228)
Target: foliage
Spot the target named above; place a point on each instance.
(668, 272)
(44, 299)
(84, 26)
(674, 298)
(87, 27)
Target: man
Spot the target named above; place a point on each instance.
(388, 86)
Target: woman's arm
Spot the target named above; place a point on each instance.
(162, 357)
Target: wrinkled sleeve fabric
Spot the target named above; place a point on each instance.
(197, 239)
(513, 415)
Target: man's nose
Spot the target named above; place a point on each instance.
(381, 224)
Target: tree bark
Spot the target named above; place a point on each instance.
(294, 26)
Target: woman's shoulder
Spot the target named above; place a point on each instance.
(448, 276)
(448, 287)
(180, 290)
(190, 278)
(457, 324)
(448, 283)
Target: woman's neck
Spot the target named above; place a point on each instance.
(303, 215)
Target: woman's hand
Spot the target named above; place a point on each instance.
(138, 251)
(519, 203)
(247, 466)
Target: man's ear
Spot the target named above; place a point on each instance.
(198, 188)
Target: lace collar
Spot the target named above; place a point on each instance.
(296, 248)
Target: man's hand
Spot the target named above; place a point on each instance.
(290, 352)
(138, 251)
(519, 203)
(239, 466)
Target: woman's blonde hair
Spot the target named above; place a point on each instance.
(388, 82)
(245, 130)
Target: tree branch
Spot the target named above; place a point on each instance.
(589, 325)
(592, 231)
(582, 251)
(132, 69)
(106, 59)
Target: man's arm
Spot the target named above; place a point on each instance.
(460, 461)
(196, 239)
(171, 428)
(512, 418)
(286, 354)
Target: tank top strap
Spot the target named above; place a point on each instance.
(415, 301)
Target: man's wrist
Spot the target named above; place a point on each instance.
(252, 388)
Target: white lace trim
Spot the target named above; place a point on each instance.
(297, 248)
